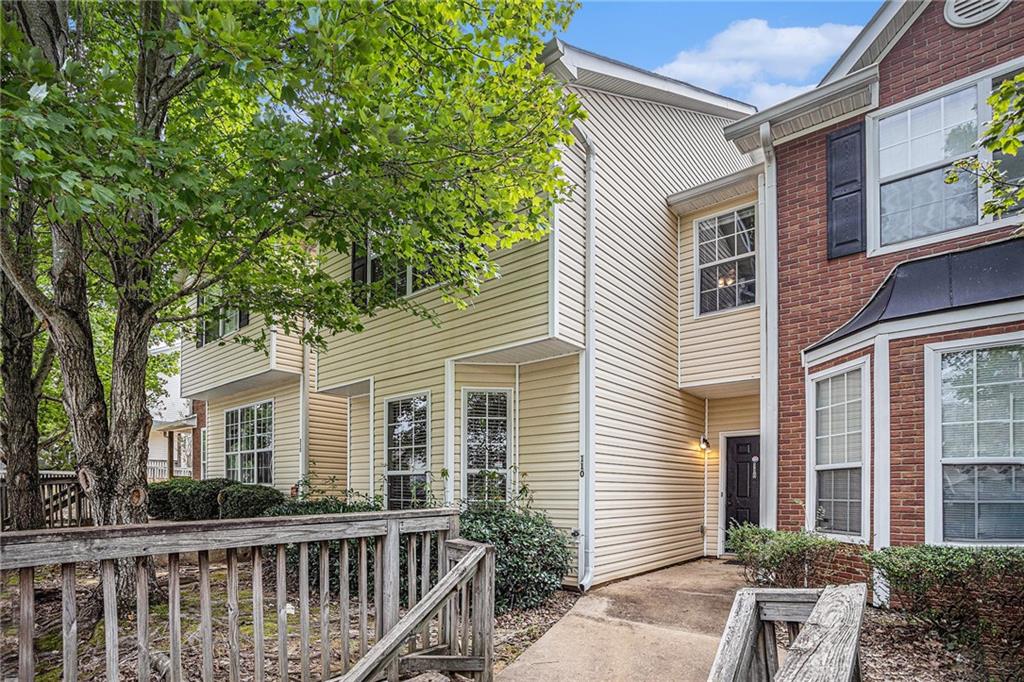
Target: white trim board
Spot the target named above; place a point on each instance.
(922, 325)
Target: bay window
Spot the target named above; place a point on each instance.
(838, 451)
(408, 447)
(249, 443)
(976, 410)
(726, 260)
(486, 444)
(912, 145)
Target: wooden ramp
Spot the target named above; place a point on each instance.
(823, 628)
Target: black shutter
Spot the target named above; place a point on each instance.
(358, 262)
(200, 323)
(243, 317)
(846, 192)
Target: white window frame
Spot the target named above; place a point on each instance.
(388, 472)
(811, 466)
(752, 254)
(273, 443)
(983, 82)
(204, 454)
(933, 434)
(464, 446)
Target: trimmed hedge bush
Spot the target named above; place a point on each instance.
(244, 501)
(185, 499)
(776, 558)
(531, 555)
(974, 597)
(197, 500)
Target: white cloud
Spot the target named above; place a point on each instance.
(761, 64)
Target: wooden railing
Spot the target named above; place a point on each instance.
(823, 628)
(64, 503)
(454, 577)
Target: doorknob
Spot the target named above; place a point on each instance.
(754, 460)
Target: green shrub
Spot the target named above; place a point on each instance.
(352, 502)
(532, 556)
(244, 501)
(974, 597)
(159, 496)
(197, 500)
(784, 558)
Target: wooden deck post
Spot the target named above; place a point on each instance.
(390, 587)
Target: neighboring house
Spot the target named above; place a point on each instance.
(893, 406)
(564, 373)
(263, 423)
(171, 435)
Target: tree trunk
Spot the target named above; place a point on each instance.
(19, 410)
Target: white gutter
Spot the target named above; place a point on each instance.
(304, 408)
(769, 393)
(586, 573)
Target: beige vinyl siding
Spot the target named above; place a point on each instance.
(405, 354)
(287, 353)
(649, 470)
(359, 443)
(214, 364)
(717, 347)
(572, 250)
(286, 430)
(740, 414)
(328, 441)
(480, 376)
(549, 440)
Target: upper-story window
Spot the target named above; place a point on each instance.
(726, 260)
(912, 145)
(223, 321)
(367, 267)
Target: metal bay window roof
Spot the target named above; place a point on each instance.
(990, 273)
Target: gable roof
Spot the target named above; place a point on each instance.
(873, 42)
(587, 69)
(989, 273)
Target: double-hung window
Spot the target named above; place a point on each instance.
(486, 444)
(912, 146)
(221, 322)
(977, 444)
(408, 447)
(249, 443)
(726, 260)
(837, 486)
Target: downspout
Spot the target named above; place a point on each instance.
(304, 413)
(586, 575)
(769, 398)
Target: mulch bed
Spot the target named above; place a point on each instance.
(517, 630)
(893, 650)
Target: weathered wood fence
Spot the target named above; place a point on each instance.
(64, 503)
(448, 624)
(823, 627)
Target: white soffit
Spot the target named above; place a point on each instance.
(824, 104)
(877, 36)
(718, 191)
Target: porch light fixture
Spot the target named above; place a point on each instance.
(705, 444)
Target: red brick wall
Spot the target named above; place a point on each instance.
(199, 410)
(817, 295)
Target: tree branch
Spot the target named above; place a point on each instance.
(45, 365)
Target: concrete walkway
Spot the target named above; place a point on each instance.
(659, 626)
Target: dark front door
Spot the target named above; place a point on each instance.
(742, 487)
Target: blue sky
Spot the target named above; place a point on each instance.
(759, 52)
